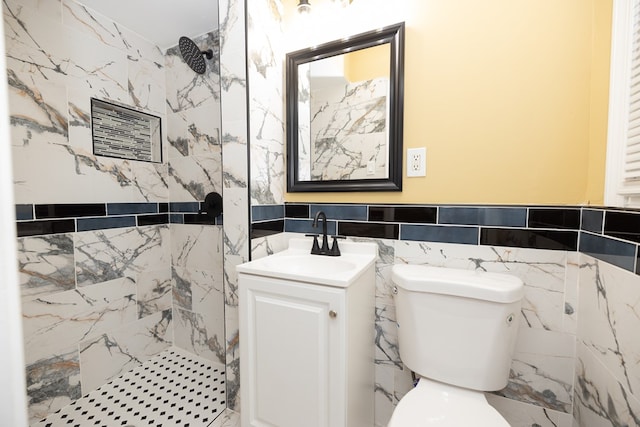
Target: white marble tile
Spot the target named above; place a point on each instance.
(234, 154)
(570, 319)
(196, 247)
(384, 399)
(192, 178)
(600, 399)
(117, 351)
(38, 117)
(81, 177)
(53, 382)
(46, 264)
(34, 43)
(200, 291)
(92, 24)
(52, 9)
(94, 64)
(146, 83)
(192, 332)
(542, 369)
(153, 291)
(609, 313)
(266, 115)
(542, 271)
(236, 218)
(55, 322)
(268, 245)
(195, 132)
(124, 252)
(520, 414)
(187, 89)
(228, 418)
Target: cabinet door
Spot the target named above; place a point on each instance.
(291, 353)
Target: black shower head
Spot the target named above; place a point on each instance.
(193, 56)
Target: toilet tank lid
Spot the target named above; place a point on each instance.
(481, 285)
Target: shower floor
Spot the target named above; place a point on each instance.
(173, 389)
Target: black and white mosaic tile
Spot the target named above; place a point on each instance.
(173, 389)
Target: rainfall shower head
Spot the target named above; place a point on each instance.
(193, 56)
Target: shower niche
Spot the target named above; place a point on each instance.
(125, 133)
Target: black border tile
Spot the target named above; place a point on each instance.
(38, 228)
(68, 210)
(152, 219)
(296, 210)
(410, 214)
(266, 228)
(566, 240)
(368, 229)
(623, 225)
(566, 218)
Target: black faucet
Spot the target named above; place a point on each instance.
(324, 249)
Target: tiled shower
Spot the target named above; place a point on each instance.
(116, 263)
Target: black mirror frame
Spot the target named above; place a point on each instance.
(394, 35)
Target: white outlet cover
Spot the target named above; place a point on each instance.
(416, 162)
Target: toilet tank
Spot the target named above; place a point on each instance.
(457, 326)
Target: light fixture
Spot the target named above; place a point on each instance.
(304, 6)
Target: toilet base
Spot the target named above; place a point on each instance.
(435, 404)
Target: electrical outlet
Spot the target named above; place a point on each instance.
(417, 161)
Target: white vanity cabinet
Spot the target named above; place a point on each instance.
(306, 351)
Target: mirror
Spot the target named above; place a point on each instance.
(345, 112)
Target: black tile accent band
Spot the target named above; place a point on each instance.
(554, 218)
(368, 229)
(70, 210)
(529, 238)
(623, 225)
(266, 228)
(414, 214)
(37, 228)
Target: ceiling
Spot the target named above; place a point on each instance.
(160, 21)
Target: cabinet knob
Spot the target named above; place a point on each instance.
(333, 314)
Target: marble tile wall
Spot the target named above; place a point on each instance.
(541, 381)
(607, 376)
(233, 78)
(95, 304)
(348, 127)
(103, 241)
(59, 55)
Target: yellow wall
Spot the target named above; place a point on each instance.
(510, 99)
(367, 64)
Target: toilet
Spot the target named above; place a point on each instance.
(456, 332)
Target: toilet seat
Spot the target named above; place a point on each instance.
(434, 404)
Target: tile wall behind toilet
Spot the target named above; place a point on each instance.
(105, 244)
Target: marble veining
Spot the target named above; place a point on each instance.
(52, 383)
(185, 88)
(154, 292)
(46, 264)
(109, 254)
(348, 131)
(110, 354)
(57, 321)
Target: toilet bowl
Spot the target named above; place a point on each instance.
(431, 404)
(456, 331)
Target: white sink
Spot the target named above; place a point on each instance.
(297, 263)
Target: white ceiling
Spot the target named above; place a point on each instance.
(160, 21)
